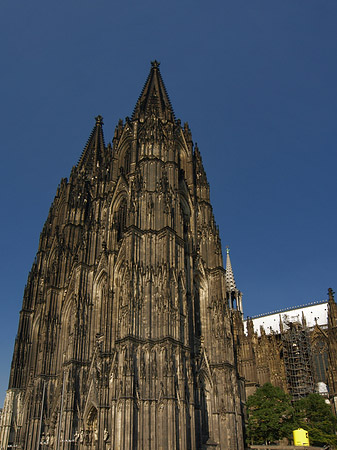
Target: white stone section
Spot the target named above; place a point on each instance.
(271, 322)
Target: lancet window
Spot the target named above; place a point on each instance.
(121, 219)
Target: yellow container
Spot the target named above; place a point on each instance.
(301, 437)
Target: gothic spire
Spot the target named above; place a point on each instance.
(230, 281)
(93, 152)
(153, 98)
(234, 296)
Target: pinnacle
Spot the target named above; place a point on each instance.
(94, 149)
(155, 64)
(99, 120)
(154, 99)
(331, 294)
(230, 281)
(332, 309)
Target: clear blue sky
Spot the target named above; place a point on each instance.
(255, 79)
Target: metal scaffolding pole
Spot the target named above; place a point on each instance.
(297, 360)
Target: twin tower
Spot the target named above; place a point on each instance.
(125, 339)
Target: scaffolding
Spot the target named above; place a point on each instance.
(297, 360)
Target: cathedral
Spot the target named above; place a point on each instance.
(131, 333)
(130, 328)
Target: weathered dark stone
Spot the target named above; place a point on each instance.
(125, 334)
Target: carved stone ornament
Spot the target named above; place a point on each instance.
(128, 277)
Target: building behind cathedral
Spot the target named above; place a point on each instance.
(294, 349)
(131, 333)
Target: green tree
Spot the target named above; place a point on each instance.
(270, 415)
(314, 415)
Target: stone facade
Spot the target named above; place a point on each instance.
(125, 338)
(298, 357)
(331, 344)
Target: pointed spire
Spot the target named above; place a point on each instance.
(93, 152)
(230, 281)
(153, 98)
(234, 296)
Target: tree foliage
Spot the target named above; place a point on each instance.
(270, 415)
(314, 415)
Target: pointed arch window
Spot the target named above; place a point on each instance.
(127, 158)
(320, 359)
(121, 219)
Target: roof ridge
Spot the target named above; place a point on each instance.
(289, 308)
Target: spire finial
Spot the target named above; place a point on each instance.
(99, 120)
(227, 249)
(155, 64)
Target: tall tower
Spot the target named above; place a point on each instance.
(125, 335)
